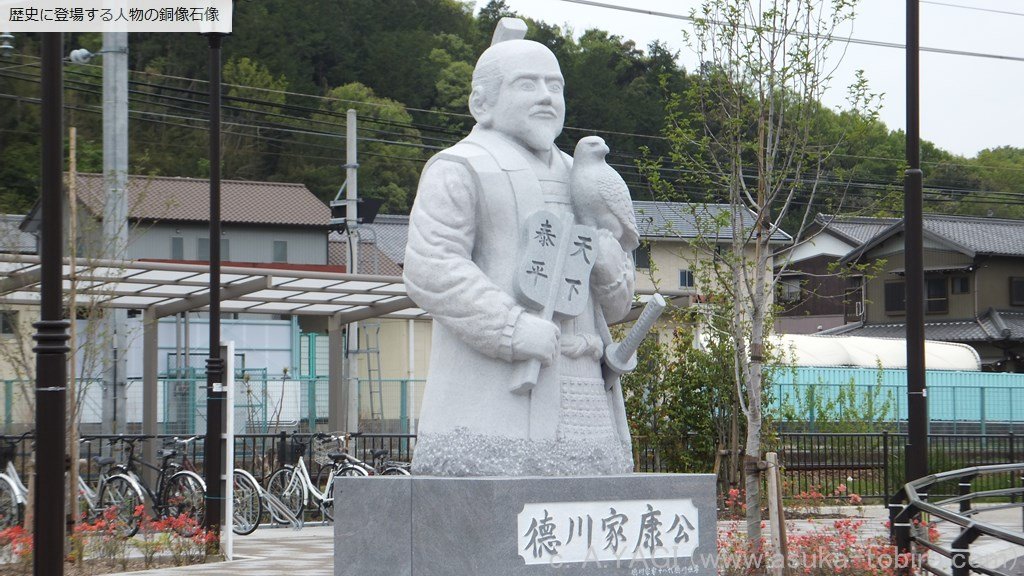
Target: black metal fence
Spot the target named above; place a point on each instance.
(868, 464)
(872, 464)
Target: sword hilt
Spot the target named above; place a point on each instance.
(619, 356)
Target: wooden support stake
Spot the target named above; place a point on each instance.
(777, 517)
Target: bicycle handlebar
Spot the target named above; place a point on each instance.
(176, 440)
(13, 441)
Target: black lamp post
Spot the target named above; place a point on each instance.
(51, 330)
(216, 395)
(913, 242)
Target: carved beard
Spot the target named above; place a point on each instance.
(540, 133)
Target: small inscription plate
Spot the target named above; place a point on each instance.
(607, 531)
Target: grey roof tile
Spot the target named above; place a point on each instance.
(188, 199)
(686, 220)
(979, 329)
(994, 236)
(857, 229)
(381, 246)
(12, 239)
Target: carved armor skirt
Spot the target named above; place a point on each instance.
(586, 442)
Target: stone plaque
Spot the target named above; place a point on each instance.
(629, 525)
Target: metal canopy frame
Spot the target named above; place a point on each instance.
(165, 289)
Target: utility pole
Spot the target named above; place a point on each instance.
(351, 397)
(115, 220)
(913, 238)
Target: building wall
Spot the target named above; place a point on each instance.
(994, 275)
(245, 243)
(822, 289)
(822, 243)
(669, 257)
(960, 305)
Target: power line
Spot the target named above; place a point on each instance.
(849, 39)
(88, 87)
(992, 10)
(421, 127)
(202, 110)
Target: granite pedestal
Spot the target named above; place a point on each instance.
(638, 524)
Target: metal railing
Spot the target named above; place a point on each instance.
(910, 533)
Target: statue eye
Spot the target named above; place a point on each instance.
(555, 86)
(526, 85)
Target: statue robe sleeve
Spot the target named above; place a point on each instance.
(440, 274)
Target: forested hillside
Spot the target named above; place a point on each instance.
(404, 65)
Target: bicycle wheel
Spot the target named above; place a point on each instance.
(321, 484)
(184, 500)
(287, 486)
(247, 503)
(118, 499)
(9, 508)
(395, 471)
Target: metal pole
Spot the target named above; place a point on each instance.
(352, 215)
(917, 405)
(214, 453)
(51, 330)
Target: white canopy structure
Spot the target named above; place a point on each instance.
(830, 351)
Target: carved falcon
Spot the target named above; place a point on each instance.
(600, 197)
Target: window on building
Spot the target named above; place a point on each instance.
(8, 323)
(1017, 291)
(685, 279)
(280, 251)
(203, 249)
(895, 298)
(177, 248)
(960, 284)
(790, 290)
(642, 256)
(936, 291)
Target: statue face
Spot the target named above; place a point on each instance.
(530, 107)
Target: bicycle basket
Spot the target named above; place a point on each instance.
(322, 447)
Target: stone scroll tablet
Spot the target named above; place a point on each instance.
(554, 274)
(575, 526)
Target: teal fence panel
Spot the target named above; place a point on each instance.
(953, 396)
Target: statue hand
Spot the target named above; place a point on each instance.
(611, 259)
(535, 339)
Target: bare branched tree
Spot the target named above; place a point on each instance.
(747, 136)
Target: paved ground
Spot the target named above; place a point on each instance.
(270, 552)
(310, 551)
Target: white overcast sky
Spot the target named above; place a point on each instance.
(967, 103)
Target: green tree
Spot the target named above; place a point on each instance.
(750, 133)
(679, 400)
(390, 148)
(252, 94)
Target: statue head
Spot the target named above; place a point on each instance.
(517, 90)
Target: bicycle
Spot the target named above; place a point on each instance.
(246, 494)
(294, 487)
(13, 493)
(247, 502)
(115, 493)
(380, 466)
(176, 492)
(344, 464)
